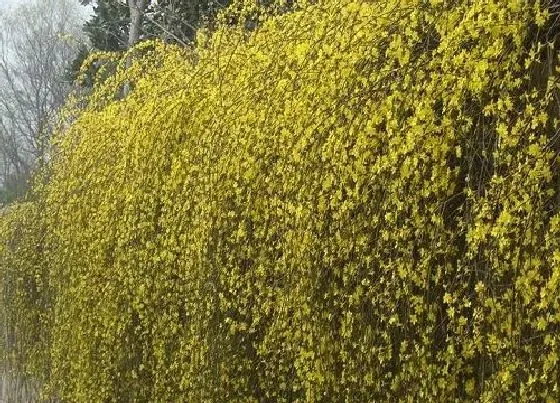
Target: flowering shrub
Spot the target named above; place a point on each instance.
(356, 201)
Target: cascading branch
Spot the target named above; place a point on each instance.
(354, 201)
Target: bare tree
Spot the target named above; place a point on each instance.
(38, 41)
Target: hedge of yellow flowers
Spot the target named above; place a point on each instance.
(353, 201)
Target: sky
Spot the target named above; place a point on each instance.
(11, 3)
(4, 3)
(8, 3)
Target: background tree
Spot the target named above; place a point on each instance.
(171, 20)
(38, 41)
(107, 29)
(115, 25)
(178, 20)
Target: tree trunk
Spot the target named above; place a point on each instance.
(137, 8)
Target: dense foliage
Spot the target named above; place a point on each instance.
(358, 201)
(107, 28)
(172, 20)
